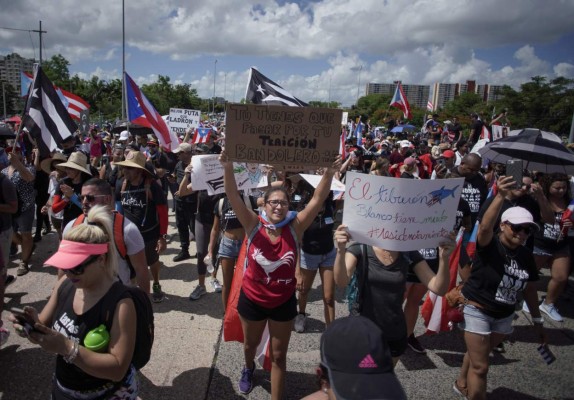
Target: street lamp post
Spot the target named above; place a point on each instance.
(214, 77)
(225, 87)
(359, 84)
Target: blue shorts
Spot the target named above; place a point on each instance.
(229, 248)
(25, 221)
(475, 321)
(313, 262)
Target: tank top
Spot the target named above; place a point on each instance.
(269, 278)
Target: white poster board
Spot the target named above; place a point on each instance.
(345, 118)
(180, 120)
(499, 132)
(207, 174)
(336, 185)
(400, 214)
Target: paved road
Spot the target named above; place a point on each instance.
(189, 360)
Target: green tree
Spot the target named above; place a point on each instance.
(56, 68)
(10, 99)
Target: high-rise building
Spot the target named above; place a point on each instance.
(10, 67)
(417, 95)
(489, 92)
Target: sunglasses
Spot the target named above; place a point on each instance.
(79, 269)
(517, 228)
(90, 197)
(275, 203)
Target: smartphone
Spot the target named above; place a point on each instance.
(23, 319)
(440, 162)
(514, 169)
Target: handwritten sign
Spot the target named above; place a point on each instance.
(400, 214)
(282, 135)
(180, 120)
(336, 185)
(207, 174)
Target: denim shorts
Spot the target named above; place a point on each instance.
(475, 321)
(229, 248)
(313, 262)
(25, 221)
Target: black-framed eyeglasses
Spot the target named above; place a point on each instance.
(79, 269)
(90, 197)
(516, 228)
(275, 203)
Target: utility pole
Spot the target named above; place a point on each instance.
(40, 31)
(4, 98)
(214, 76)
(123, 60)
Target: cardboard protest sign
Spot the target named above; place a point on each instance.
(207, 174)
(180, 120)
(282, 135)
(400, 214)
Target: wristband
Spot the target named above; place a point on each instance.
(538, 321)
(71, 356)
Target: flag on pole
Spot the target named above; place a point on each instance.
(430, 106)
(399, 100)
(74, 104)
(342, 149)
(262, 90)
(359, 133)
(485, 133)
(142, 112)
(46, 118)
(201, 135)
(435, 308)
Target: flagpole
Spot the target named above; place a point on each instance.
(123, 60)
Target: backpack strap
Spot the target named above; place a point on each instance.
(79, 220)
(119, 239)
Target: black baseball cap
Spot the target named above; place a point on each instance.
(358, 360)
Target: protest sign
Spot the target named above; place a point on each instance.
(180, 120)
(345, 118)
(499, 132)
(336, 185)
(84, 124)
(400, 214)
(207, 174)
(282, 135)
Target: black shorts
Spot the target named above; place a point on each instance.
(397, 347)
(252, 311)
(150, 253)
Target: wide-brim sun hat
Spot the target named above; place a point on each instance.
(77, 161)
(134, 159)
(46, 165)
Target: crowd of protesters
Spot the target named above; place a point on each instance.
(121, 182)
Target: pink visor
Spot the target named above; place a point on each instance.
(71, 254)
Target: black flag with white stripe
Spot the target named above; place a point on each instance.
(262, 90)
(45, 116)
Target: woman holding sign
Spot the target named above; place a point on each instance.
(382, 276)
(267, 294)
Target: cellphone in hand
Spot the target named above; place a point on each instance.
(514, 169)
(23, 319)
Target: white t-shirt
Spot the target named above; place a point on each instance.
(134, 244)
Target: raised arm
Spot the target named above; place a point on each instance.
(345, 263)
(486, 227)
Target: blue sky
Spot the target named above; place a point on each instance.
(313, 48)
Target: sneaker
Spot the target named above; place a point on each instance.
(23, 269)
(415, 345)
(551, 311)
(216, 286)
(182, 255)
(13, 249)
(197, 292)
(461, 391)
(246, 381)
(4, 335)
(158, 295)
(47, 231)
(499, 348)
(525, 308)
(9, 280)
(300, 322)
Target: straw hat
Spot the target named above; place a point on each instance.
(77, 161)
(135, 159)
(47, 164)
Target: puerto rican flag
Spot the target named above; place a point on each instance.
(74, 104)
(201, 135)
(142, 112)
(399, 100)
(430, 106)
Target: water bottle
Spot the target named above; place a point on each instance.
(209, 264)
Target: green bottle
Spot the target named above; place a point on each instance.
(97, 339)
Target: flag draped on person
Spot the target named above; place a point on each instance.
(45, 117)
(262, 90)
(142, 112)
(74, 104)
(435, 308)
(399, 100)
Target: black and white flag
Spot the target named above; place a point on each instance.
(45, 116)
(262, 90)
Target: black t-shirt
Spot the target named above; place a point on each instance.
(497, 275)
(462, 211)
(205, 207)
(227, 217)
(474, 192)
(140, 207)
(179, 173)
(475, 131)
(318, 238)
(72, 210)
(382, 300)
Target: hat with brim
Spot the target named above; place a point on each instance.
(70, 254)
(134, 159)
(519, 216)
(77, 161)
(48, 166)
(358, 360)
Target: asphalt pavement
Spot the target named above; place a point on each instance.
(191, 361)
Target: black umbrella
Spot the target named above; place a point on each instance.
(536, 152)
(134, 129)
(6, 133)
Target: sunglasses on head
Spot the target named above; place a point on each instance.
(517, 228)
(79, 269)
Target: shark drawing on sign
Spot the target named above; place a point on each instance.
(270, 266)
(437, 196)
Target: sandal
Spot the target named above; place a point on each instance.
(462, 391)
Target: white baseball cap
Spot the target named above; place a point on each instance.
(519, 216)
(124, 135)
